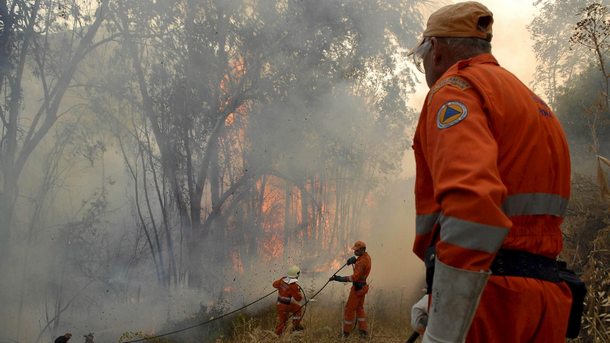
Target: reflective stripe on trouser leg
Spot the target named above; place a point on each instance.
(295, 309)
(353, 307)
(282, 317)
(286, 312)
(362, 324)
(360, 314)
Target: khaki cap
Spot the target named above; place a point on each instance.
(358, 245)
(463, 20)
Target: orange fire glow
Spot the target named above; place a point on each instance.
(289, 214)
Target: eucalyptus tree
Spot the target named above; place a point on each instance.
(223, 97)
(42, 47)
(585, 101)
(46, 39)
(559, 60)
(572, 51)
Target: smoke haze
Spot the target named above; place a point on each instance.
(191, 151)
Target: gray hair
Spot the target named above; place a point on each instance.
(468, 45)
(462, 48)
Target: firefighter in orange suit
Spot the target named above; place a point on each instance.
(354, 308)
(492, 186)
(288, 300)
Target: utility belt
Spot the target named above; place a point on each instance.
(358, 285)
(525, 264)
(284, 300)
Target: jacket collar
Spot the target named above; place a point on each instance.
(478, 59)
(290, 280)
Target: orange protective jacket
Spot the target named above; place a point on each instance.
(287, 292)
(493, 171)
(362, 268)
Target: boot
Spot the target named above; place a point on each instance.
(297, 327)
(364, 334)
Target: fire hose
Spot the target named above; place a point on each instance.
(232, 312)
(202, 323)
(315, 294)
(413, 337)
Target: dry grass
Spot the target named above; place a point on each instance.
(587, 249)
(387, 316)
(323, 324)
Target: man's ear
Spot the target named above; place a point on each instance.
(435, 50)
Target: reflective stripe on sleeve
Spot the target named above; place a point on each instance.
(535, 204)
(348, 322)
(471, 235)
(424, 223)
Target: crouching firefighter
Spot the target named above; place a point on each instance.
(288, 300)
(354, 308)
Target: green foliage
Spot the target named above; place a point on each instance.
(580, 107)
(577, 78)
(556, 57)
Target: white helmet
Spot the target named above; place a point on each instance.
(293, 271)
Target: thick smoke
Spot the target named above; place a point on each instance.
(322, 90)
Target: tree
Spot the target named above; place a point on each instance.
(29, 29)
(583, 105)
(223, 87)
(558, 60)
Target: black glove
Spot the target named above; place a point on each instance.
(351, 260)
(338, 278)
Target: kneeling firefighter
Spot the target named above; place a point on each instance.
(288, 300)
(354, 308)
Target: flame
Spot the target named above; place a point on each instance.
(281, 200)
(273, 212)
(328, 267)
(238, 266)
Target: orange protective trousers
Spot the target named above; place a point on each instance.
(524, 310)
(283, 311)
(354, 309)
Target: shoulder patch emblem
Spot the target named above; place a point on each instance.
(451, 113)
(454, 81)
